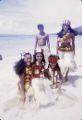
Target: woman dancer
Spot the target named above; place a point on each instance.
(42, 92)
(66, 49)
(23, 69)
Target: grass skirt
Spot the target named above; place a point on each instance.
(42, 91)
(67, 61)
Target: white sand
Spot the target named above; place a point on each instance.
(68, 105)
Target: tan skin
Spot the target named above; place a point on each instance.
(38, 58)
(73, 40)
(42, 39)
(56, 82)
(65, 27)
(38, 62)
(27, 59)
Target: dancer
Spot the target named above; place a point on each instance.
(23, 69)
(66, 49)
(40, 85)
(42, 42)
(53, 72)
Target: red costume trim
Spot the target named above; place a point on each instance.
(37, 70)
(53, 59)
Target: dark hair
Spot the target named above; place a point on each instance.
(20, 67)
(53, 56)
(27, 54)
(60, 34)
(40, 26)
(56, 67)
(34, 57)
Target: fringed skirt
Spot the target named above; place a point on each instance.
(67, 61)
(42, 91)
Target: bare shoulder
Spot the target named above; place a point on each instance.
(47, 36)
(37, 35)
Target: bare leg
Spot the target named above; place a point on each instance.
(21, 92)
(66, 76)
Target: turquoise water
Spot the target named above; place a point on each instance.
(14, 45)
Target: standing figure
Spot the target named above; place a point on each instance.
(23, 69)
(66, 49)
(41, 88)
(42, 42)
(53, 72)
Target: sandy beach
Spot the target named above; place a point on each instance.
(68, 106)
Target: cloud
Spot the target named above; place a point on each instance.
(22, 16)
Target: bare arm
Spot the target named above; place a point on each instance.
(22, 87)
(22, 81)
(73, 43)
(48, 42)
(60, 75)
(36, 44)
(57, 45)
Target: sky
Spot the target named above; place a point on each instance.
(22, 16)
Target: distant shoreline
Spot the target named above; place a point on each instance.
(77, 29)
(14, 35)
(22, 35)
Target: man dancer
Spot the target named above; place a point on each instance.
(42, 42)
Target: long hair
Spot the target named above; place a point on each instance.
(21, 64)
(57, 65)
(20, 67)
(34, 57)
(60, 34)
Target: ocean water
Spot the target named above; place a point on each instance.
(11, 46)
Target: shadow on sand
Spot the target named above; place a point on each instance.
(72, 80)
